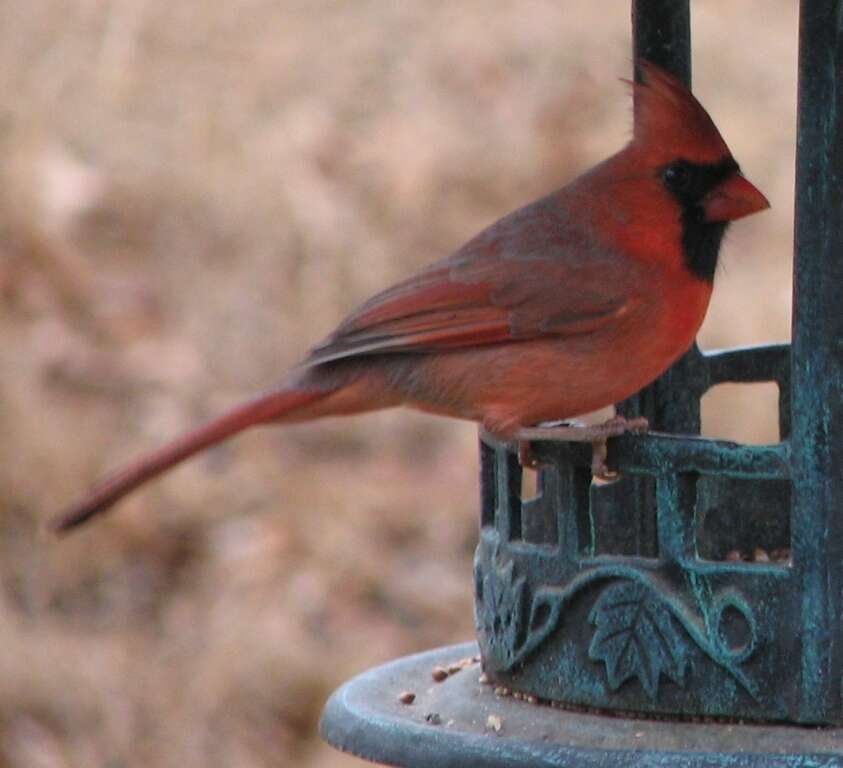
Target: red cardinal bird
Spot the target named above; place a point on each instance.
(565, 306)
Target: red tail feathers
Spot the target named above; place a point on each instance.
(274, 406)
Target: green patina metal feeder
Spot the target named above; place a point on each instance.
(623, 599)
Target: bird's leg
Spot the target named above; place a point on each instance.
(596, 434)
(525, 455)
(506, 430)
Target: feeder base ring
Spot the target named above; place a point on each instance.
(463, 723)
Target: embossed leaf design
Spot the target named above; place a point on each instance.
(502, 616)
(636, 636)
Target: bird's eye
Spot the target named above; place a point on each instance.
(677, 176)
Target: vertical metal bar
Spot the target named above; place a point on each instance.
(817, 355)
(509, 495)
(662, 35)
(580, 503)
(488, 485)
(661, 32)
(675, 493)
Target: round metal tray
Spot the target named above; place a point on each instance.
(462, 723)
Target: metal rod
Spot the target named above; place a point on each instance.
(817, 358)
(662, 35)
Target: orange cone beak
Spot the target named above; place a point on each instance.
(733, 199)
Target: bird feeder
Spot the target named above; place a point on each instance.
(616, 626)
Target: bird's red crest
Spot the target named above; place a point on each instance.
(670, 120)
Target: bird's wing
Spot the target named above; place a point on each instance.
(525, 277)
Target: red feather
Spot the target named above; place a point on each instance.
(528, 276)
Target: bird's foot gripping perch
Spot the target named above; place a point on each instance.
(596, 434)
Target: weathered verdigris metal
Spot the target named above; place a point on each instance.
(624, 597)
(461, 724)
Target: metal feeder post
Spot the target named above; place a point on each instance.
(615, 625)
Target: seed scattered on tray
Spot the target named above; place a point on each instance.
(502, 690)
(406, 697)
(433, 718)
(483, 679)
(461, 664)
(439, 674)
(760, 555)
(494, 723)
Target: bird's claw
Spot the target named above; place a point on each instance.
(596, 434)
(620, 425)
(600, 471)
(583, 433)
(526, 457)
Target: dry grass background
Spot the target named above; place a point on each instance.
(190, 195)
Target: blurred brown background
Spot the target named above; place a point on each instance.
(191, 194)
